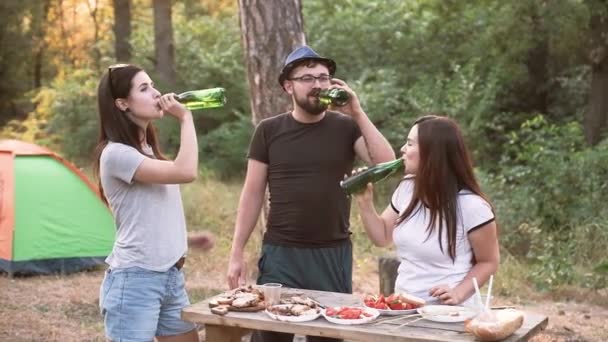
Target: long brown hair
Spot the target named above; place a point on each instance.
(114, 125)
(445, 169)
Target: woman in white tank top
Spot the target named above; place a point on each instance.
(442, 225)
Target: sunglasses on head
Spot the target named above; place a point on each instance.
(110, 68)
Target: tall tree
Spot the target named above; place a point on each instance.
(164, 48)
(597, 112)
(94, 13)
(269, 31)
(122, 30)
(39, 43)
(17, 42)
(533, 94)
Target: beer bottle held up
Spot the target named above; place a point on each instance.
(336, 96)
(203, 99)
(376, 173)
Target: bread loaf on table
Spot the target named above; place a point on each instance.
(495, 325)
(411, 299)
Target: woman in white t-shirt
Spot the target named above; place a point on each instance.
(442, 225)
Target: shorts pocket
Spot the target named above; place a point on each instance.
(105, 287)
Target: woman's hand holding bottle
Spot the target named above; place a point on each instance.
(365, 195)
(169, 104)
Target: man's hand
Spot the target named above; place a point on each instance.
(236, 271)
(352, 107)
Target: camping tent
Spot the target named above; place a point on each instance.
(51, 216)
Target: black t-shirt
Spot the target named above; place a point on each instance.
(306, 162)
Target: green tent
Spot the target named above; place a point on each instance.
(51, 216)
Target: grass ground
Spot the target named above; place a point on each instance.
(65, 308)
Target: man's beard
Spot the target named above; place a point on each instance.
(312, 107)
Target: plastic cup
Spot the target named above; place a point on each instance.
(272, 293)
(477, 306)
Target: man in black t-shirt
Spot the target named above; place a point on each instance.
(302, 155)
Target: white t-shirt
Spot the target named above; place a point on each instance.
(150, 222)
(423, 264)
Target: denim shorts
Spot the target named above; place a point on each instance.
(138, 304)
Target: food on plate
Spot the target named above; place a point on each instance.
(396, 301)
(224, 300)
(300, 300)
(347, 312)
(293, 310)
(244, 298)
(495, 325)
(244, 301)
(446, 313)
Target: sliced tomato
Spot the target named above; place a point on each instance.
(397, 306)
(381, 306)
(350, 313)
(331, 311)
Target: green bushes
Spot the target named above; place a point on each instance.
(550, 197)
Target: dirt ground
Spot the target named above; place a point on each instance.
(65, 308)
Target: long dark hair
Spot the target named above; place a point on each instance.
(114, 125)
(445, 169)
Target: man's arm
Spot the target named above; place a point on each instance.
(372, 147)
(250, 204)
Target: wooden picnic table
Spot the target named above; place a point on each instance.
(231, 327)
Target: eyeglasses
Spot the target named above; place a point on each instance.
(310, 79)
(110, 84)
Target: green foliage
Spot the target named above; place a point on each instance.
(16, 46)
(74, 122)
(224, 149)
(549, 197)
(208, 55)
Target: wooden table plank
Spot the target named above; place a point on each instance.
(231, 326)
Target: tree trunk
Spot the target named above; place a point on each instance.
(163, 42)
(270, 30)
(595, 117)
(531, 95)
(388, 266)
(39, 44)
(122, 30)
(93, 10)
(538, 64)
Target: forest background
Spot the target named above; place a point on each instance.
(527, 81)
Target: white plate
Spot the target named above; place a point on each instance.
(446, 313)
(374, 314)
(282, 318)
(394, 312)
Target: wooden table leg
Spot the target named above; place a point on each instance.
(218, 333)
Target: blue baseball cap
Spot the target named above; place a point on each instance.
(301, 54)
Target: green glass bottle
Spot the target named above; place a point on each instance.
(203, 99)
(373, 174)
(336, 96)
